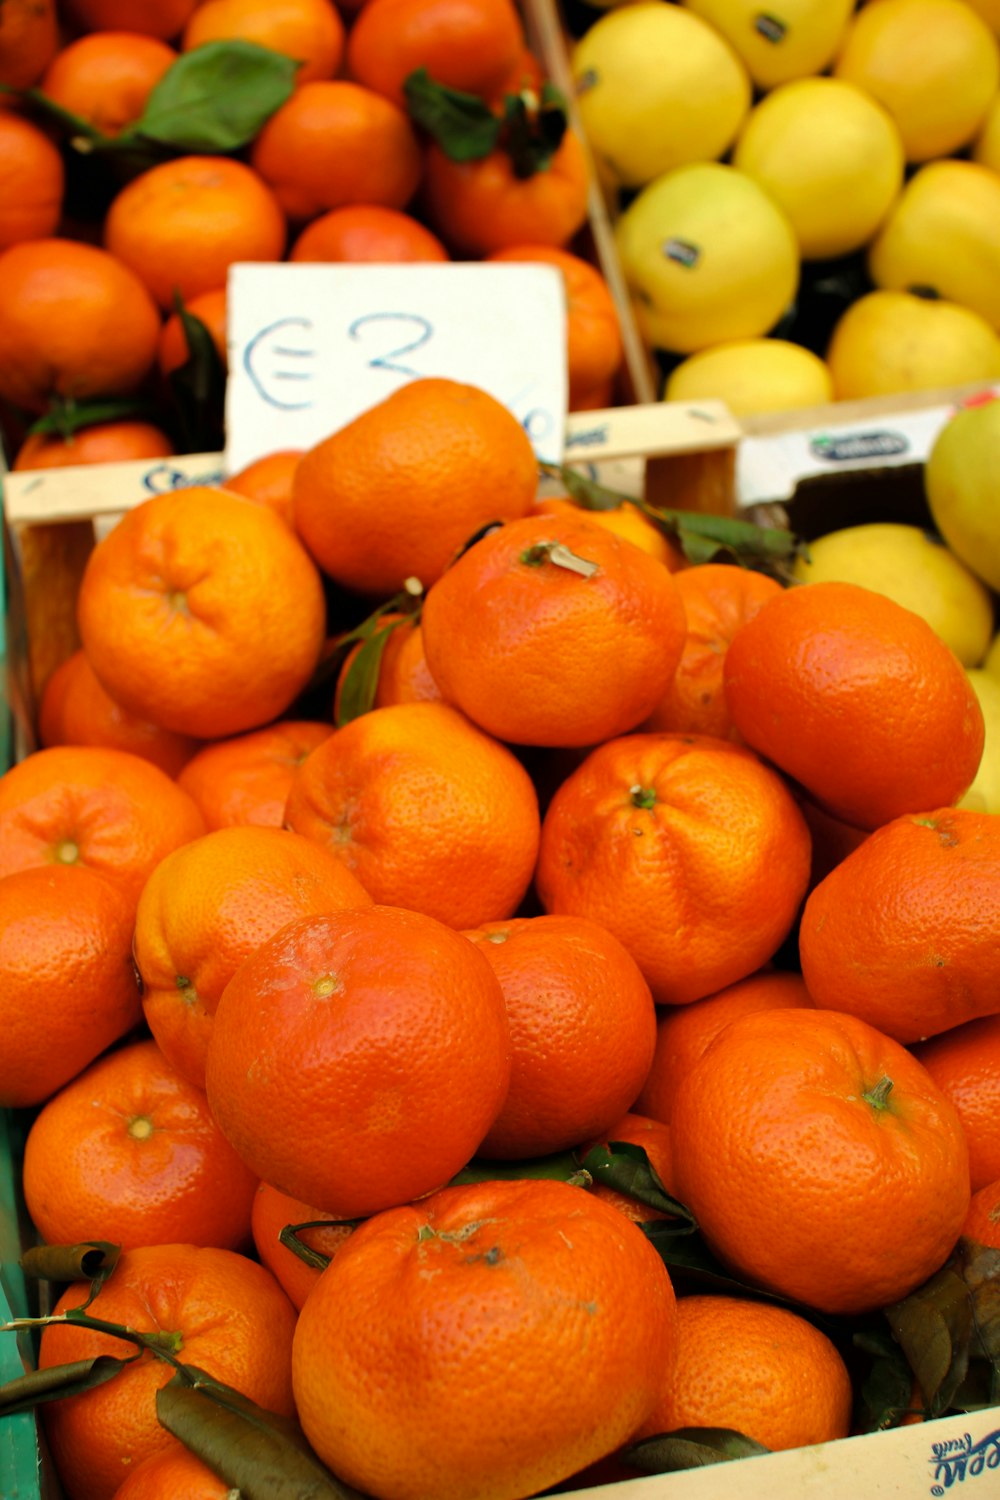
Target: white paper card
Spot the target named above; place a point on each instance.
(313, 346)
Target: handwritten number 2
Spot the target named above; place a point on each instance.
(390, 359)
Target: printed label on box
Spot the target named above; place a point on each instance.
(312, 346)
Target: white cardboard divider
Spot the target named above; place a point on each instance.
(921, 1462)
(593, 437)
(312, 346)
(770, 465)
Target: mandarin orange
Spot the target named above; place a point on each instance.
(426, 810)
(689, 849)
(206, 908)
(525, 1303)
(67, 987)
(858, 699)
(129, 1152)
(582, 1027)
(820, 1159)
(396, 492)
(201, 611)
(903, 932)
(231, 1319)
(553, 631)
(383, 1023)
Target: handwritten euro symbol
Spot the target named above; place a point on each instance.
(280, 360)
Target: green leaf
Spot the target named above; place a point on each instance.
(700, 535)
(463, 125)
(691, 1448)
(39, 1386)
(884, 1394)
(198, 387)
(934, 1328)
(562, 1166)
(81, 133)
(91, 1261)
(627, 1168)
(216, 97)
(66, 416)
(357, 694)
(533, 134)
(257, 1452)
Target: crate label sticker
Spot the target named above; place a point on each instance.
(312, 346)
(958, 1459)
(771, 466)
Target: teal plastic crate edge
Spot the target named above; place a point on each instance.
(20, 1461)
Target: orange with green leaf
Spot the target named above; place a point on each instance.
(211, 1308)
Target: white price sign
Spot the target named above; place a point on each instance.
(313, 346)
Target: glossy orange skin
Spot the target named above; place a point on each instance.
(269, 481)
(982, 1222)
(210, 309)
(528, 1303)
(537, 654)
(684, 1033)
(235, 1322)
(802, 1184)
(717, 600)
(201, 611)
(74, 321)
(965, 1064)
(107, 77)
(311, 31)
(29, 39)
(471, 45)
(856, 698)
(180, 225)
(583, 1028)
(755, 1368)
(172, 1476)
(426, 810)
(903, 931)
(67, 989)
(366, 232)
(75, 710)
(32, 181)
(106, 809)
(334, 143)
(246, 779)
(161, 18)
(428, 467)
(207, 907)
(478, 207)
(593, 337)
(388, 1023)
(703, 885)
(271, 1212)
(404, 676)
(104, 443)
(128, 1152)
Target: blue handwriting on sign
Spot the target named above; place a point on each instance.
(959, 1459)
(388, 359)
(279, 364)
